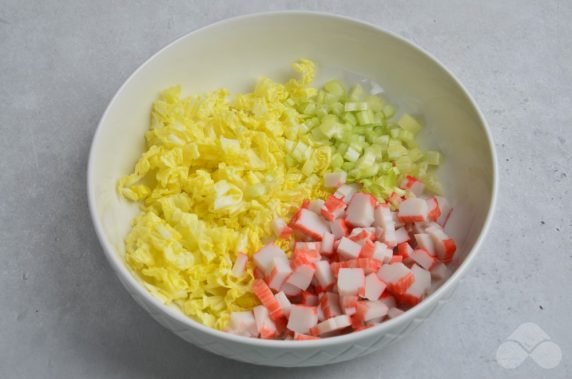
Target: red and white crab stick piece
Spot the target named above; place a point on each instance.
(339, 228)
(331, 325)
(329, 303)
(334, 179)
(374, 287)
(417, 290)
(351, 281)
(264, 325)
(243, 324)
(302, 276)
(360, 210)
(264, 258)
(284, 302)
(324, 275)
(302, 318)
(412, 184)
(423, 259)
(310, 224)
(346, 192)
(327, 246)
(333, 208)
(413, 209)
(397, 276)
(266, 297)
(383, 219)
(382, 252)
(348, 249)
(445, 246)
(370, 310)
(355, 262)
(280, 272)
(316, 205)
(239, 265)
(281, 229)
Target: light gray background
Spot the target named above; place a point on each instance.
(63, 314)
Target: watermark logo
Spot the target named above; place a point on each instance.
(529, 340)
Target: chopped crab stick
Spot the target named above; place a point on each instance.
(264, 325)
(354, 262)
(309, 298)
(302, 318)
(309, 251)
(290, 290)
(243, 323)
(413, 209)
(302, 276)
(384, 220)
(333, 324)
(265, 256)
(334, 179)
(368, 265)
(439, 271)
(367, 249)
(346, 192)
(281, 229)
(423, 258)
(284, 302)
(369, 310)
(397, 277)
(348, 249)
(280, 272)
(330, 304)
(444, 246)
(327, 246)
(374, 287)
(416, 291)
(310, 224)
(239, 265)
(425, 242)
(316, 205)
(333, 208)
(264, 294)
(388, 300)
(389, 236)
(401, 235)
(404, 249)
(339, 228)
(348, 304)
(360, 210)
(351, 281)
(324, 274)
(381, 252)
(415, 186)
(383, 216)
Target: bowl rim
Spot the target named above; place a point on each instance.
(408, 316)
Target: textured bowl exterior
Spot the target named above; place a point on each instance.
(416, 79)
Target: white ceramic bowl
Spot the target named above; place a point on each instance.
(233, 53)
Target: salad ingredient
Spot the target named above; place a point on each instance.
(363, 277)
(219, 176)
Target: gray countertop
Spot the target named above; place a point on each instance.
(65, 315)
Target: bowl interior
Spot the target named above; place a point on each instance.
(234, 53)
